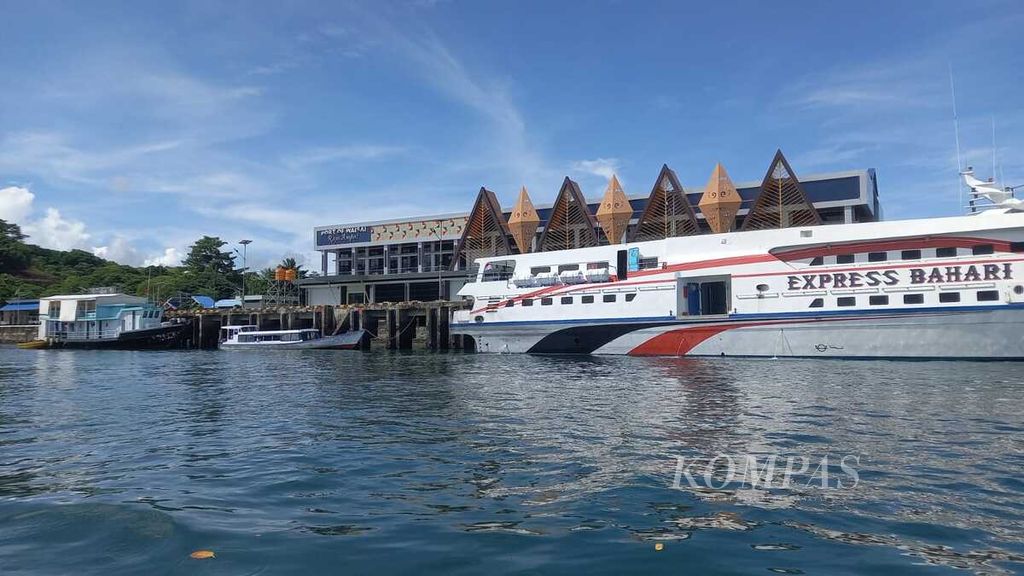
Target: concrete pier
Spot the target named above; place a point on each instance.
(393, 326)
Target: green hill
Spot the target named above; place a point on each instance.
(29, 271)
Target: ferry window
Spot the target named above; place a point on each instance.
(648, 263)
(817, 261)
(947, 297)
(566, 299)
(597, 265)
(510, 303)
(846, 301)
(546, 301)
(817, 303)
(500, 270)
(1017, 247)
(911, 254)
(630, 297)
(988, 295)
(568, 268)
(539, 270)
(527, 302)
(609, 298)
(945, 252)
(877, 256)
(844, 259)
(878, 300)
(913, 298)
(587, 300)
(983, 249)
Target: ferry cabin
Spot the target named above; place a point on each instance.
(948, 287)
(251, 334)
(95, 317)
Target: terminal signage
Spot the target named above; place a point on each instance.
(346, 235)
(911, 276)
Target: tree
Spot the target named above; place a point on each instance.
(291, 263)
(14, 255)
(211, 269)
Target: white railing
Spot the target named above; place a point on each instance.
(90, 335)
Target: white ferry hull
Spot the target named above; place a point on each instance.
(970, 334)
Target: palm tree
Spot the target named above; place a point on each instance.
(291, 263)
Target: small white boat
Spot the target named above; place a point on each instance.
(251, 337)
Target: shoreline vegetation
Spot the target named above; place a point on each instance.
(30, 271)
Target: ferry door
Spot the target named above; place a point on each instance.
(691, 292)
(704, 296)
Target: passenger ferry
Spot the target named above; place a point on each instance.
(930, 288)
(105, 320)
(252, 338)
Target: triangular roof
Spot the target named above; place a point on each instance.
(486, 232)
(720, 201)
(614, 212)
(523, 221)
(782, 202)
(570, 224)
(667, 213)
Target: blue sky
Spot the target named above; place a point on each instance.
(132, 128)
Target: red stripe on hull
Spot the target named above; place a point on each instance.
(679, 342)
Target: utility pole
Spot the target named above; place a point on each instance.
(245, 244)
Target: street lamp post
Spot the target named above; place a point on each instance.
(245, 244)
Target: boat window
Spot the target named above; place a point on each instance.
(546, 301)
(246, 338)
(290, 337)
(911, 255)
(988, 295)
(846, 301)
(844, 259)
(648, 263)
(947, 252)
(878, 300)
(587, 299)
(1017, 247)
(597, 265)
(500, 270)
(817, 303)
(608, 298)
(566, 299)
(510, 303)
(817, 261)
(947, 297)
(983, 250)
(877, 256)
(568, 268)
(527, 302)
(913, 298)
(630, 297)
(540, 270)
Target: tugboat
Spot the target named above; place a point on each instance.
(110, 320)
(252, 338)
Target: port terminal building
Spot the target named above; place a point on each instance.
(427, 258)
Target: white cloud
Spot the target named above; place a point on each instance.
(603, 167)
(55, 231)
(170, 257)
(15, 204)
(356, 152)
(119, 250)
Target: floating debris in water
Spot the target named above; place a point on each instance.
(202, 555)
(659, 546)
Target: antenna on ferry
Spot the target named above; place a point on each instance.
(956, 133)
